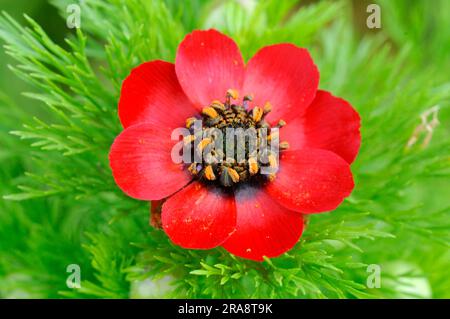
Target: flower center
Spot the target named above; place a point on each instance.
(232, 144)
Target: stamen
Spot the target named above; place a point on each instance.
(233, 93)
(284, 145)
(209, 173)
(243, 176)
(229, 176)
(253, 166)
(193, 168)
(281, 123)
(234, 175)
(203, 143)
(211, 112)
(226, 114)
(216, 104)
(267, 107)
(257, 114)
(263, 124)
(246, 99)
(190, 121)
(272, 161)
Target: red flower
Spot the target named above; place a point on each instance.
(251, 218)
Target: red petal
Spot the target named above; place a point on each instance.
(286, 76)
(264, 228)
(294, 133)
(140, 159)
(311, 181)
(208, 63)
(152, 94)
(332, 124)
(199, 217)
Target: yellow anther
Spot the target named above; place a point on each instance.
(257, 114)
(233, 93)
(211, 112)
(271, 177)
(209, 173)
(281, 123)
(203, 143)
(228, 177)
(234, 175)
(216, 104)
(193, 169)
(284, 145)
(190, 121)
(273, 163)
(267, 107)
(253, 166)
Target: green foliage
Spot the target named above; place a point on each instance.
(68, 209)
